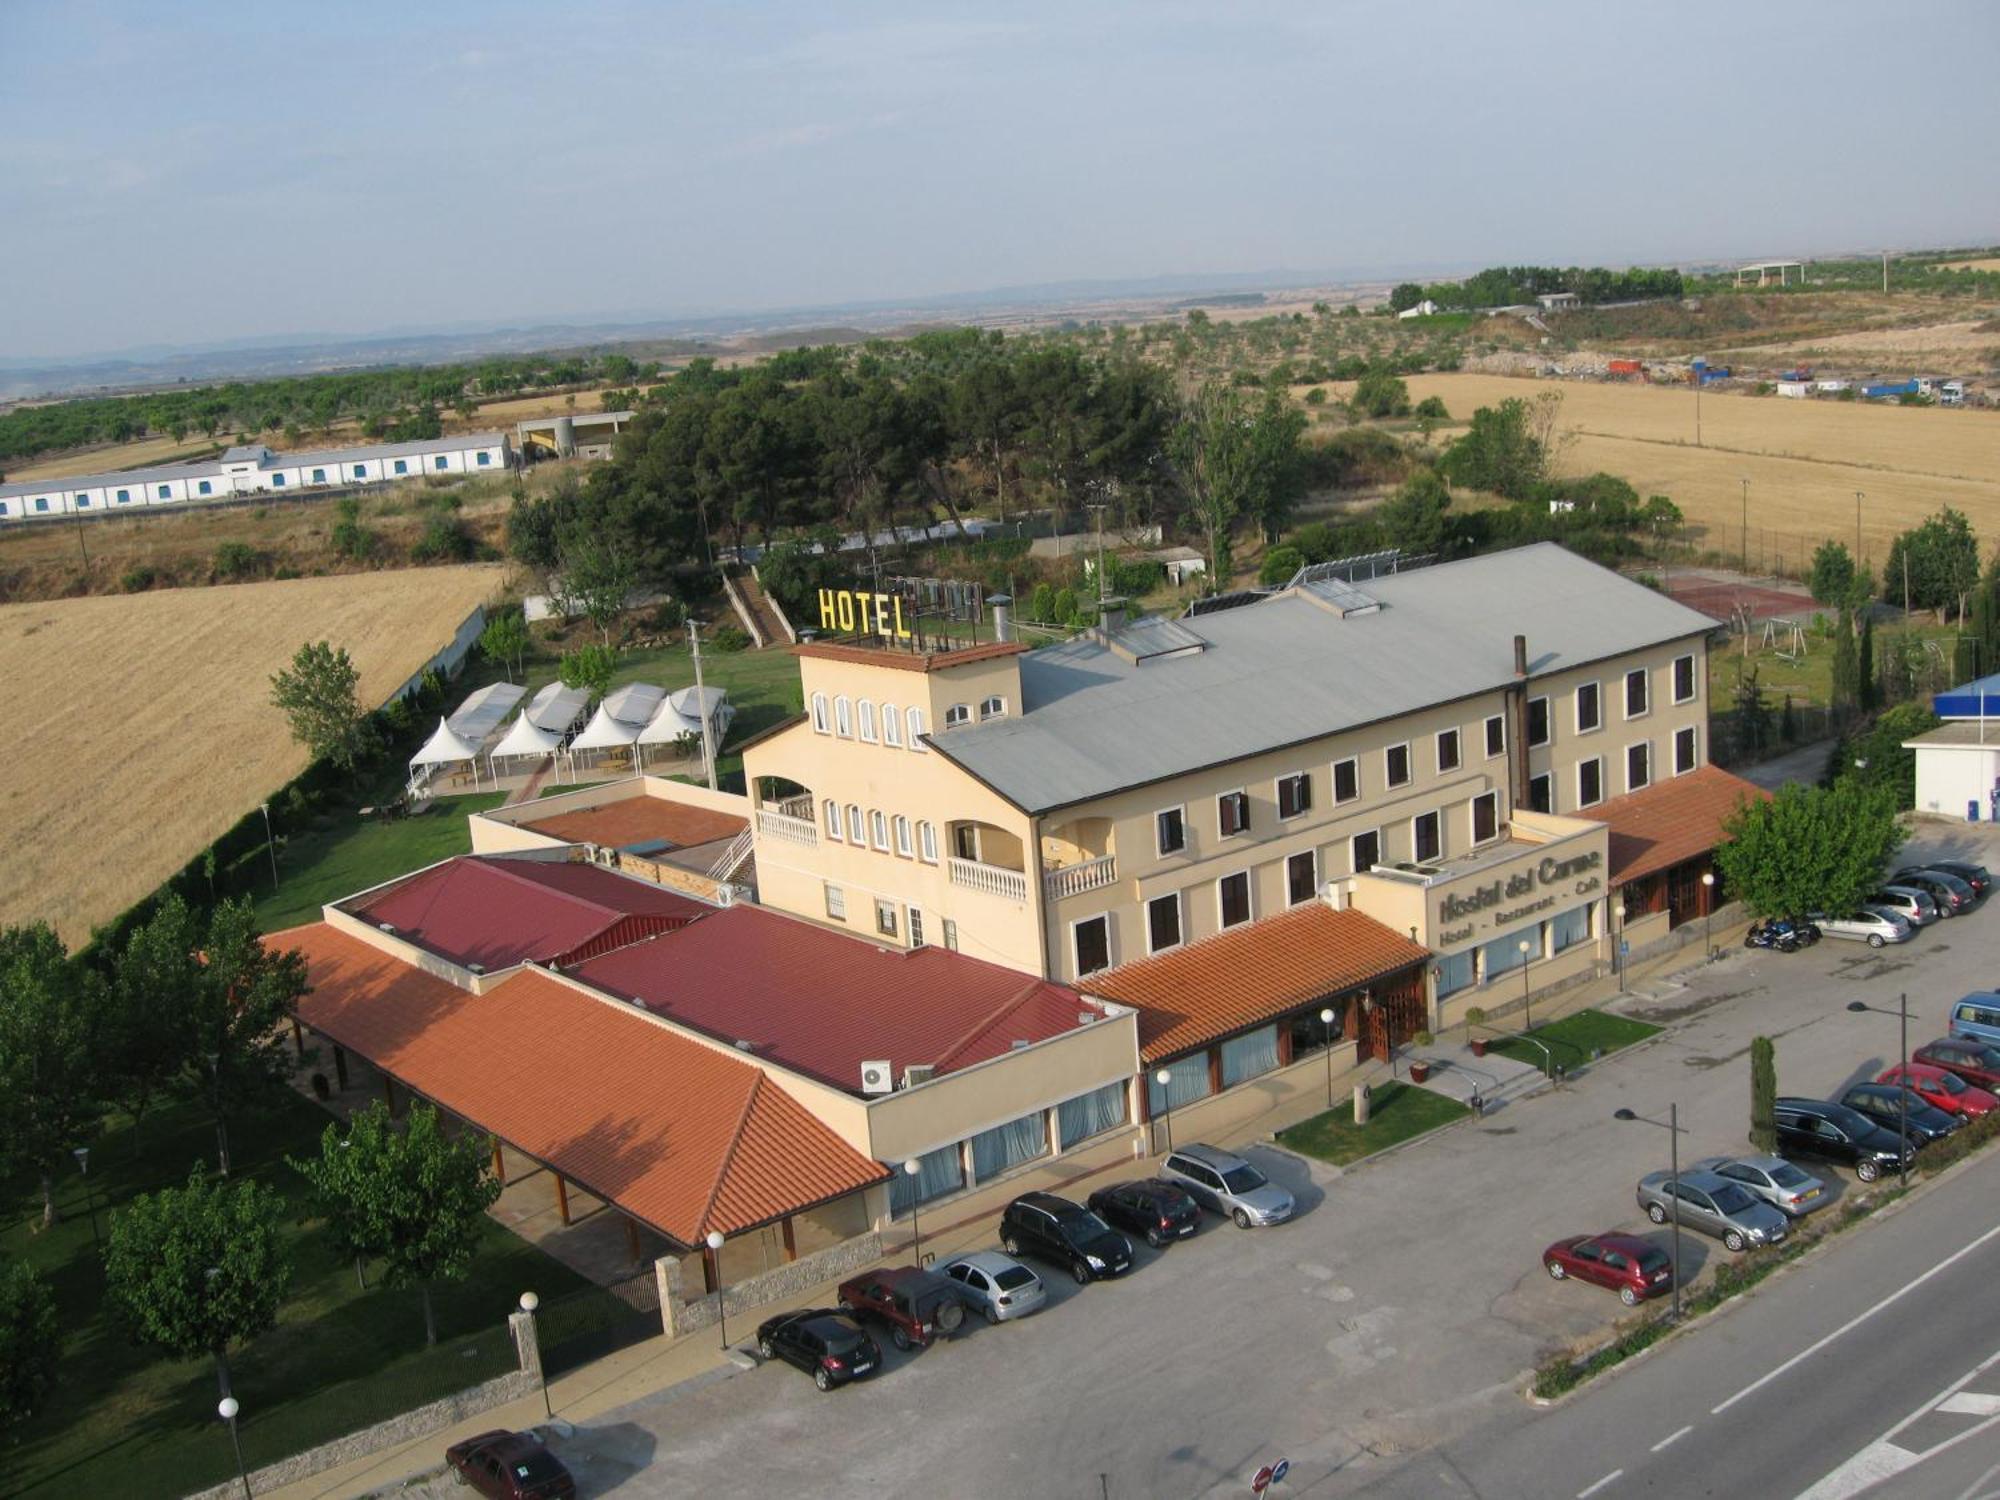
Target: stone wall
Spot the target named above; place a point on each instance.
(680, 1315)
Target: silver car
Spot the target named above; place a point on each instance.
(1906, 901)
(1227, 1184)
(1773, 1179)
(1875, 928)
(1715, 1206)
(996, 1286)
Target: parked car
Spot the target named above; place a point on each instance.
(1977, 1016)
(1833, 1132)
(1714, 1205)
(1154, 1207)
(996, 1286)
(510, 1466)
(823, 1341)
(919, 1306)
(1065, 1233)
(1633, 1268)
(1973, 875)
(1897, 1108)
(1976, 1061)
(1875, 928)
(1229, 1185)
(1776, 1181)
(1913, 904)
(1942, 1089)
(1951, 894)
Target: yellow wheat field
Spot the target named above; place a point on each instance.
(141, 725)
(1988, 264)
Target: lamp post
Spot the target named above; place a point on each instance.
(1326, 1025)
(714, 1242)
(1527, 1004)
(1857, 529)
(1744, 537)
(1902, 1015)
(82, 1155)
(1164, 1078)
(1672, 1124)
(529, 1302)
(1618, 943)
(227, 1408)
(1708, 911)
(270, 846)
(911, 1167)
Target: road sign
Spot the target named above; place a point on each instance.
(1280, 1469)
(1261, 1480)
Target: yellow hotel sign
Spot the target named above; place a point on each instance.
(857, 612)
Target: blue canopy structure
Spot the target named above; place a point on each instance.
(1971, 700)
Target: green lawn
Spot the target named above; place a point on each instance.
(1572, 1039)
(125, 1421)
(1398, 1111)
(324, 864)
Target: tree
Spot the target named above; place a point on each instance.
(1753, 713)
(317, 695)
(145, 1041)
(197, 1268)
(589, 667)
(1416, 514)
(49, 1009)
(1406, 296)
(1832, 576)
(1280, 564)
(30, 1341)
(1808, 849)
(1934, 565)
(1875, 760)
(1232, 461)
(412, 1197)
(1846, 688)
(505, 640)
(1434, 408)
(1381, 393)
(1868, 694)
(1763, 1094)
(598, 574)
(1497, 452)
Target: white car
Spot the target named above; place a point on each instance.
(1909, 903)
(996, 1286)
(1874, 926)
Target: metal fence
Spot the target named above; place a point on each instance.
(588, 1324)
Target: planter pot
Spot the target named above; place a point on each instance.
(1419, 1071)
(1478, 1046)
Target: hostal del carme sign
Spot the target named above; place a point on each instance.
(1534, 888)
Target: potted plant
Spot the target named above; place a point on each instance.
(1420, 1067)
(1475, 1015)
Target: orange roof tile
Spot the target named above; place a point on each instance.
(641, 820)
(674, 1133)
(1670, 821)
(1251, 974)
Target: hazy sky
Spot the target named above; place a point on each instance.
(196, 172)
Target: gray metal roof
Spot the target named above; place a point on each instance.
(212, 469)
(1289, 669)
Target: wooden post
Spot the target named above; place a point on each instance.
(632, 1238)
(340, 1066)
(298, 1038)
(389, 1094)
(791, 1244)
(499, 1161)
(709, 1278)
(562, 1198)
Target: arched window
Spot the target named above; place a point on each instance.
(831, 809)
(892, 725)
(992, 708)
(878, 826)
(868, 720)
(927, 841)
(820, 721)
(843, 717)
(855, 832)
(902, 829)
(915, 719)
(957, 716)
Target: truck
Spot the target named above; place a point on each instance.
(1888, 390)
(1625, 367)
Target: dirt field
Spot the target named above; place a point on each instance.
(146, 450)
(143, 727)
(1804, 459)
(1947, 348)
(1991, 263)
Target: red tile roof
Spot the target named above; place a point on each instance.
(640, 820)
(1670, 821)
(674, 1133)
(1252, 974)
(821, 1002)
(498, 912)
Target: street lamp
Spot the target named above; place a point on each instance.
(529, 1302)
(1618, 943)
(714, 1241)
(82, 1155)
(1326, 1025)
(1902, 1015)
(1708, 911)
(1744, 541)
(270, 846)
(227, 1408)
(911, 1167)
(1527, 1005)
(1164, 1078)
(1672, 1124)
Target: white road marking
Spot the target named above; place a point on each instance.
(1872, 1465)
(1970, 1404)
(1589, 1490)
(1855, 1322)
(1673, 1437)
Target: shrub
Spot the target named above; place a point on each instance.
(236, 560)
(1042, 603)
(728, 639)
(350, 538)
(137, 580)
(1380, 394)
(1316, 397)
(1064, 607)
(1280, 563)
(445, 539)
(669, 614)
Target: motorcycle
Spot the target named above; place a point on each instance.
(1778, 934)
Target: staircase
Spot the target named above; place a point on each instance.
(771, 628)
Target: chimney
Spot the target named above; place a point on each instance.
(1110, 616)
(1521, 658)
(1003, 624)
(1517, 723)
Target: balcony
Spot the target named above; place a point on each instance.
(995, 880)
(1074, 880)
(787, 828)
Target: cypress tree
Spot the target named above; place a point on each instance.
(1866, 695)
(1846, 694)
(1763, 1093)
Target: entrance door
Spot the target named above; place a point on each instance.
(1684, 895)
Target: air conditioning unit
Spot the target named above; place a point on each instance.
(878, 1077)
(917, 1073)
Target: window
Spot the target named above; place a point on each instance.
(878, 827)
(485, 458)
(1638, 765)
(1496, 736)
(166, 492)
(892, 726)
(1684, 750)
(1163, 922)
(1569, 928)
(957, 716)
(1485, 817)
(361, 471)
(950, 935)
(440, 462)
(938, 1172)
(1302, 877)
(1589, 708)
(843, 717)
(1187, 1081)
(966, 837)
(1295, 795)
(1090, 1114)
(1635, 693)
(1092, 939)
(1683, 679)
(1590, 781)
(854, 832)
(1396, 765)
(402, 466)
(927, 844)
(1170, 830)
(41, 502)
(821, 721)
(1366, 850)
(885, 917)
(1455, 972)
(277, 481)
(1424, 836)
(1538, 722)
(124, 497)
(992, 708)
(83, 502)
(204, 488)
(1233, 893)
(1346, 781)
(1447, 743)
(1232, 813)
(1245, 1057)
(319, 476)
(1542, 792)
(831, 810)
(836, 903)
(903, 845)
(915, 719)
(1503, 955)
(916, 928)
(868, 731)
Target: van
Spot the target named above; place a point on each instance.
(1977, 1016)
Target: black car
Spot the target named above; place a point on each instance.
(1152, 1206)
(823, 1341)
(1951, 894)
(1881, 1103)
(1833, 1132)
(1973, 875)
(1065, 1233)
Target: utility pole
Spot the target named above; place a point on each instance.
(1885, 270)
(1857, 528)
(701, 704)
(1743, 542)
(1102, 592)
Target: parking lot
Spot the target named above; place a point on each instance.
(1404, 1300)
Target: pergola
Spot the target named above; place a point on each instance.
(620, 719)
(460, 738)
(681, 714)
(1765, 268)
(543, 727)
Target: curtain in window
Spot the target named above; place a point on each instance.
(942, 1172)
(1455, 973)
(1247, 1056)
(1004, 1146)
(1503, 954)
(1569, 929)
(1189, 1082)
(1090, 1114)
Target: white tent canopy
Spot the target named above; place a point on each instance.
(621, 718)
(460, 737)
(679, 715)
(539, 731)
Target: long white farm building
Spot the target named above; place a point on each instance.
(249, 470)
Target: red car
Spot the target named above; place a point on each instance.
(1943, 1089)
(1974, 1061)
(919, 1306)
(510, 1466)
(1633, 1268)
